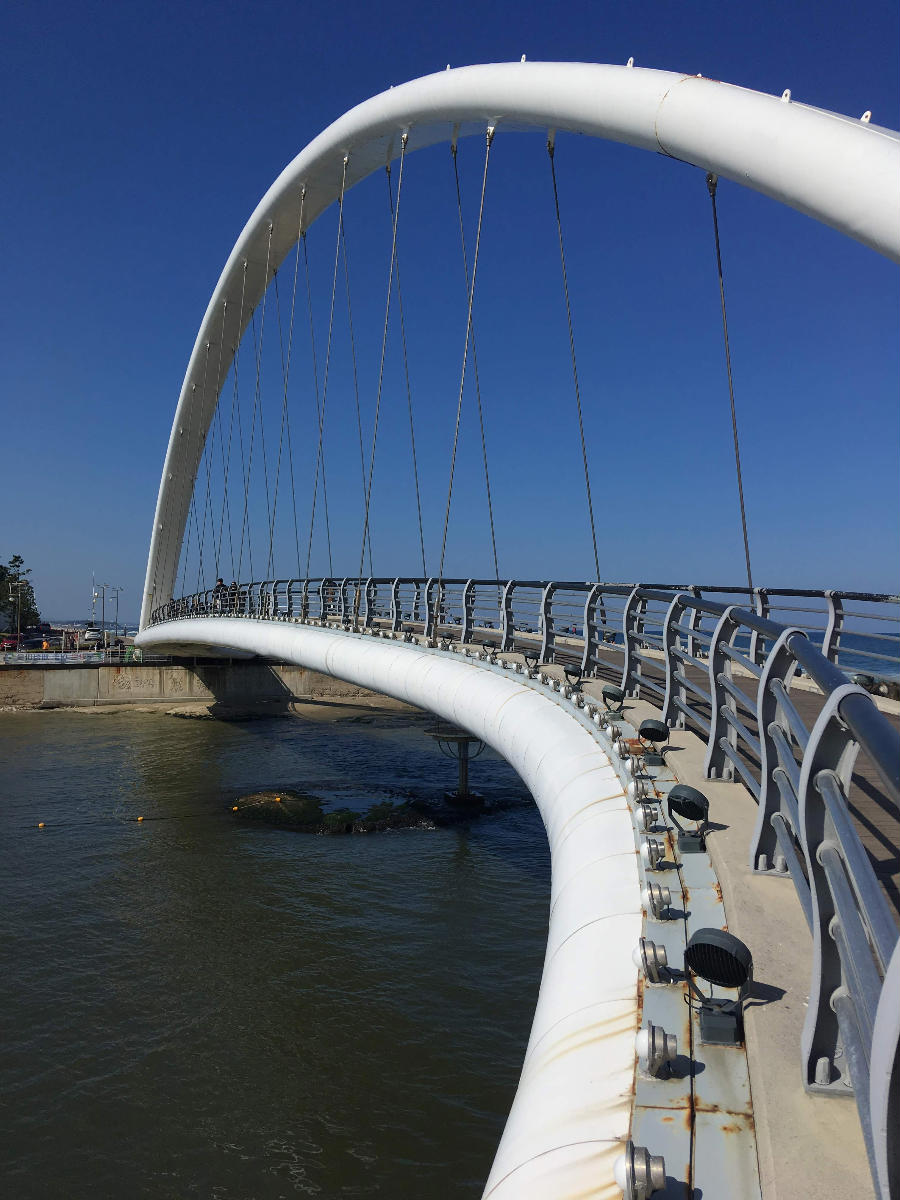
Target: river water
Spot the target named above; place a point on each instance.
(195, 1006)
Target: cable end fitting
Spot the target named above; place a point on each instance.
(711, 183)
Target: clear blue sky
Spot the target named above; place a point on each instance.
(138, 139)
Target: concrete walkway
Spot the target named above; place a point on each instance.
(807, 1145)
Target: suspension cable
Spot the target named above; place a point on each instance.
(362, 455)
(259, 346)
(475, 376)
(412, 431)
(562, 258)
(235, 402)
(321, 408)
(285, 372)
(712, 183)
(462, 377)
(218, 418)
(387, 312)
(207, 453)
(320, 462)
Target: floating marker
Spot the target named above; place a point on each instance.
(40, 824)
(140, 818)
(234, 808)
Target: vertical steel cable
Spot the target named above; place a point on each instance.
(320, 462)
(362, 454)
(412, 431)
(259, 346)
(462, 377)
(235, 402)
(285, 372)
(387, 312)
(487, 477)
(321, 408)
(562, 259)
(712, 183)
(219, 383)
(208, 450)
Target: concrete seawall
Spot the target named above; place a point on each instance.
(217, 686)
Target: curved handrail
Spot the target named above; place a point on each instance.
(719, 681)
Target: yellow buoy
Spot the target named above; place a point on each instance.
(235, 808)
(40, 824)
(140, 818)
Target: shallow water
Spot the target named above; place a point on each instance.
(193, 1006)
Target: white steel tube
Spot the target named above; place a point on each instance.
(843, 172)
(572, 1110)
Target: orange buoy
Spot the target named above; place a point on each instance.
(235, 808)
(40, 824)
(140, 818)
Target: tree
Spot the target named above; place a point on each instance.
(18, 607)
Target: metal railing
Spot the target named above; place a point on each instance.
(730, 672)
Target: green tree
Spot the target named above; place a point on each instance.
(18, 606)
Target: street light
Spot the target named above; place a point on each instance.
(115, 591)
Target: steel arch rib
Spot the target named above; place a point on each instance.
(843, 172)
(572, 1111)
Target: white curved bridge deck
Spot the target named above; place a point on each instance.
(574, 1104)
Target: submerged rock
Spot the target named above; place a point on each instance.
(304, 813)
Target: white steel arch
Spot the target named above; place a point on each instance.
(843, 172)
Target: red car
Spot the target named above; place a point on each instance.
(8, 643)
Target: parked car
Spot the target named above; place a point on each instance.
(92, 635)
(8, 643)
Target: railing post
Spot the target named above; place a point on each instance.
(670, 714)
(342, 608)
(591, 639)
(508, 627)
(830, 748)
(468, 606)
(632, 628)
(884, 1093)
(547, 631)
(396, 614)
(371, 598)
(831, 643)
(429, 610)
(757, 653)
(717, 764)
(781, 665)
(694, 622)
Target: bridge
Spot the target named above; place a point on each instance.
(635, 1081)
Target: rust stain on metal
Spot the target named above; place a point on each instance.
(717, 889)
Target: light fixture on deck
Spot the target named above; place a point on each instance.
(657, 734)
(655, 1050)
(718, 957)
(613, 698)
(639, 1173)
(652, 960)
(692, 805)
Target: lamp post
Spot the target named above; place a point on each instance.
(115, 591)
